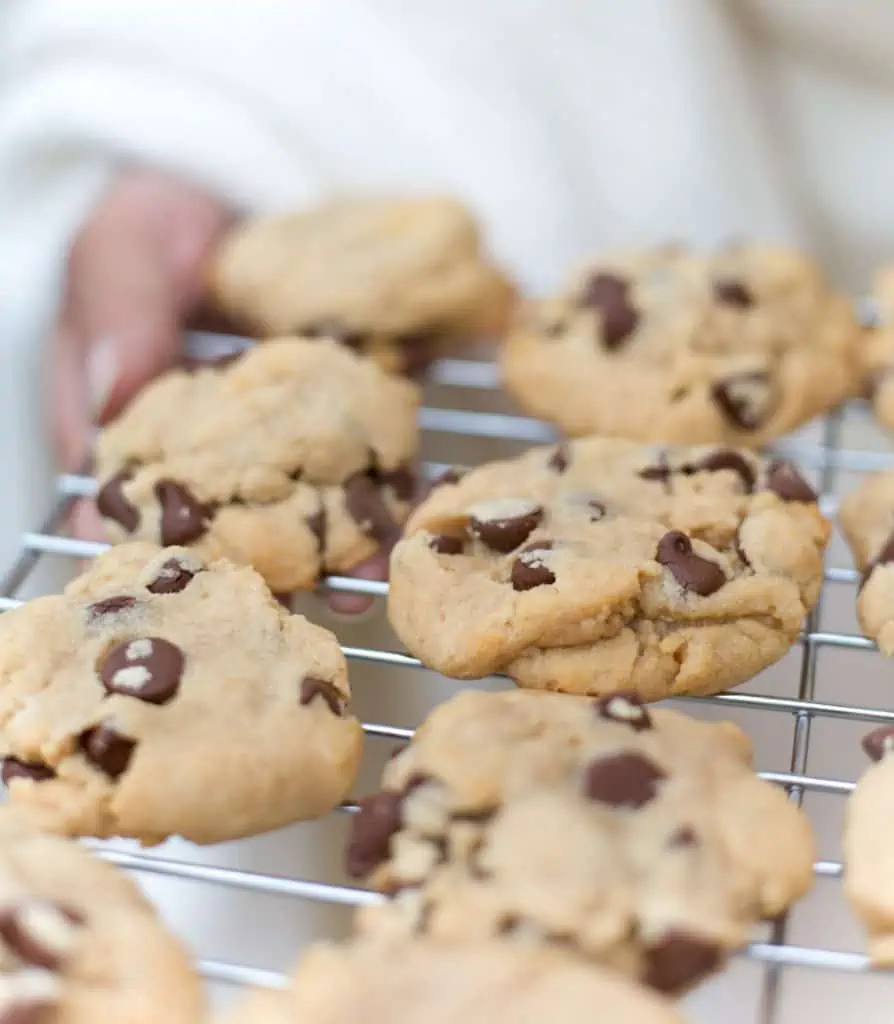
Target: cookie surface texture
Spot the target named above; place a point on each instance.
(878, 347)
(603, 565)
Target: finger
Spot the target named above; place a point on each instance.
(345, 603)
(69, 419)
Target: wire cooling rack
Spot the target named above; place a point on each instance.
(466, 413)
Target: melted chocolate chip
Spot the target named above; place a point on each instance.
(40, 933)
(350, 337)
(148, 668)
(184, 518)
(625, 708)
(559, 459)
(402, 481)
(173, 577)
(14, 768)
(108, 749)
(879, 742)
(625, 779)
(366, 506)
(785, 481)
(731, 292)
(745, 399)
(504, 525)
(529, 570)
(610, 295)
(724, 459)
(446, 545)
(112, 504)
(373, 826)
(678, 960)
(884, 557)
(690, 570)
(111, 606)
(312, 687)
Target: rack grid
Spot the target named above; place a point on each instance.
(824, 455)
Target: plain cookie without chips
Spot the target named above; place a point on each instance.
(869, 847)
(478, 983)
(670, 345)
(164, 695)
(388, 277)
(603, 565)
(79, 944)
(878, 346)
(297, 459)
(636, 837)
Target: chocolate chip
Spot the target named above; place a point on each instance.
(312, 687)
(40, 933)
(733, 293)
(14, 768)
(173, 577)
(184, 518)
(683, 836)
(373, 826)
(111, 606)
(879, 742)
(529, 570)
(366, 506)
(503, 525)
(350, 337)
(785, 481)
(445, 545)
(884, 557)
(316, 523)
(745, 399)
(725, 459)
(147, 668)
(559, 458)
(112, 504)
(690, 570)
(596, 509)
(611, 296)
(108, 749)
(402, 481)
(449, 476)
(625, 708)
(678, 960)
(625, 779)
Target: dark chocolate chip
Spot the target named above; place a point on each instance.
(725, 459)
(402, 481)
(785, 481)
(879, 742)
(40, 933)
(184, 518)
(611, 296)
(690, 570)
(678, 960)
(148, 668)
(14, 768)
(173, 578)
(449, 476)
(884, 557)
(312, 687)
(373, 826)
(559, 458)
(504, 525)
(683, 836)
(745, 399)
(110, 606)
(350, 337)
(733, 293)
(366, 506)
(446, 545)
(112, 504)
(108, 749)
(529, 570)
(625, 708)
(625, 779)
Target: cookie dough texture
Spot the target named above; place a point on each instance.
(476, 983)
(79, 944)
(384, 275)
(604, 564)
(869, 847)
(165, 695)
(867, 520)
(878, 346)
(670, 345)
(637, 837)
(296, 459)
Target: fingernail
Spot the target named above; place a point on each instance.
(101, 369)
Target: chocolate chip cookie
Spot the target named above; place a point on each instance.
(296, 458)
(671, 345)
(603, 564)
(867, 521)
(79, 943)
(389, 277)
(163, 694)
(476, 983)
(878, 346)
(869, 846)
(637, 837)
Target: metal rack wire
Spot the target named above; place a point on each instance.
(826, 458)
